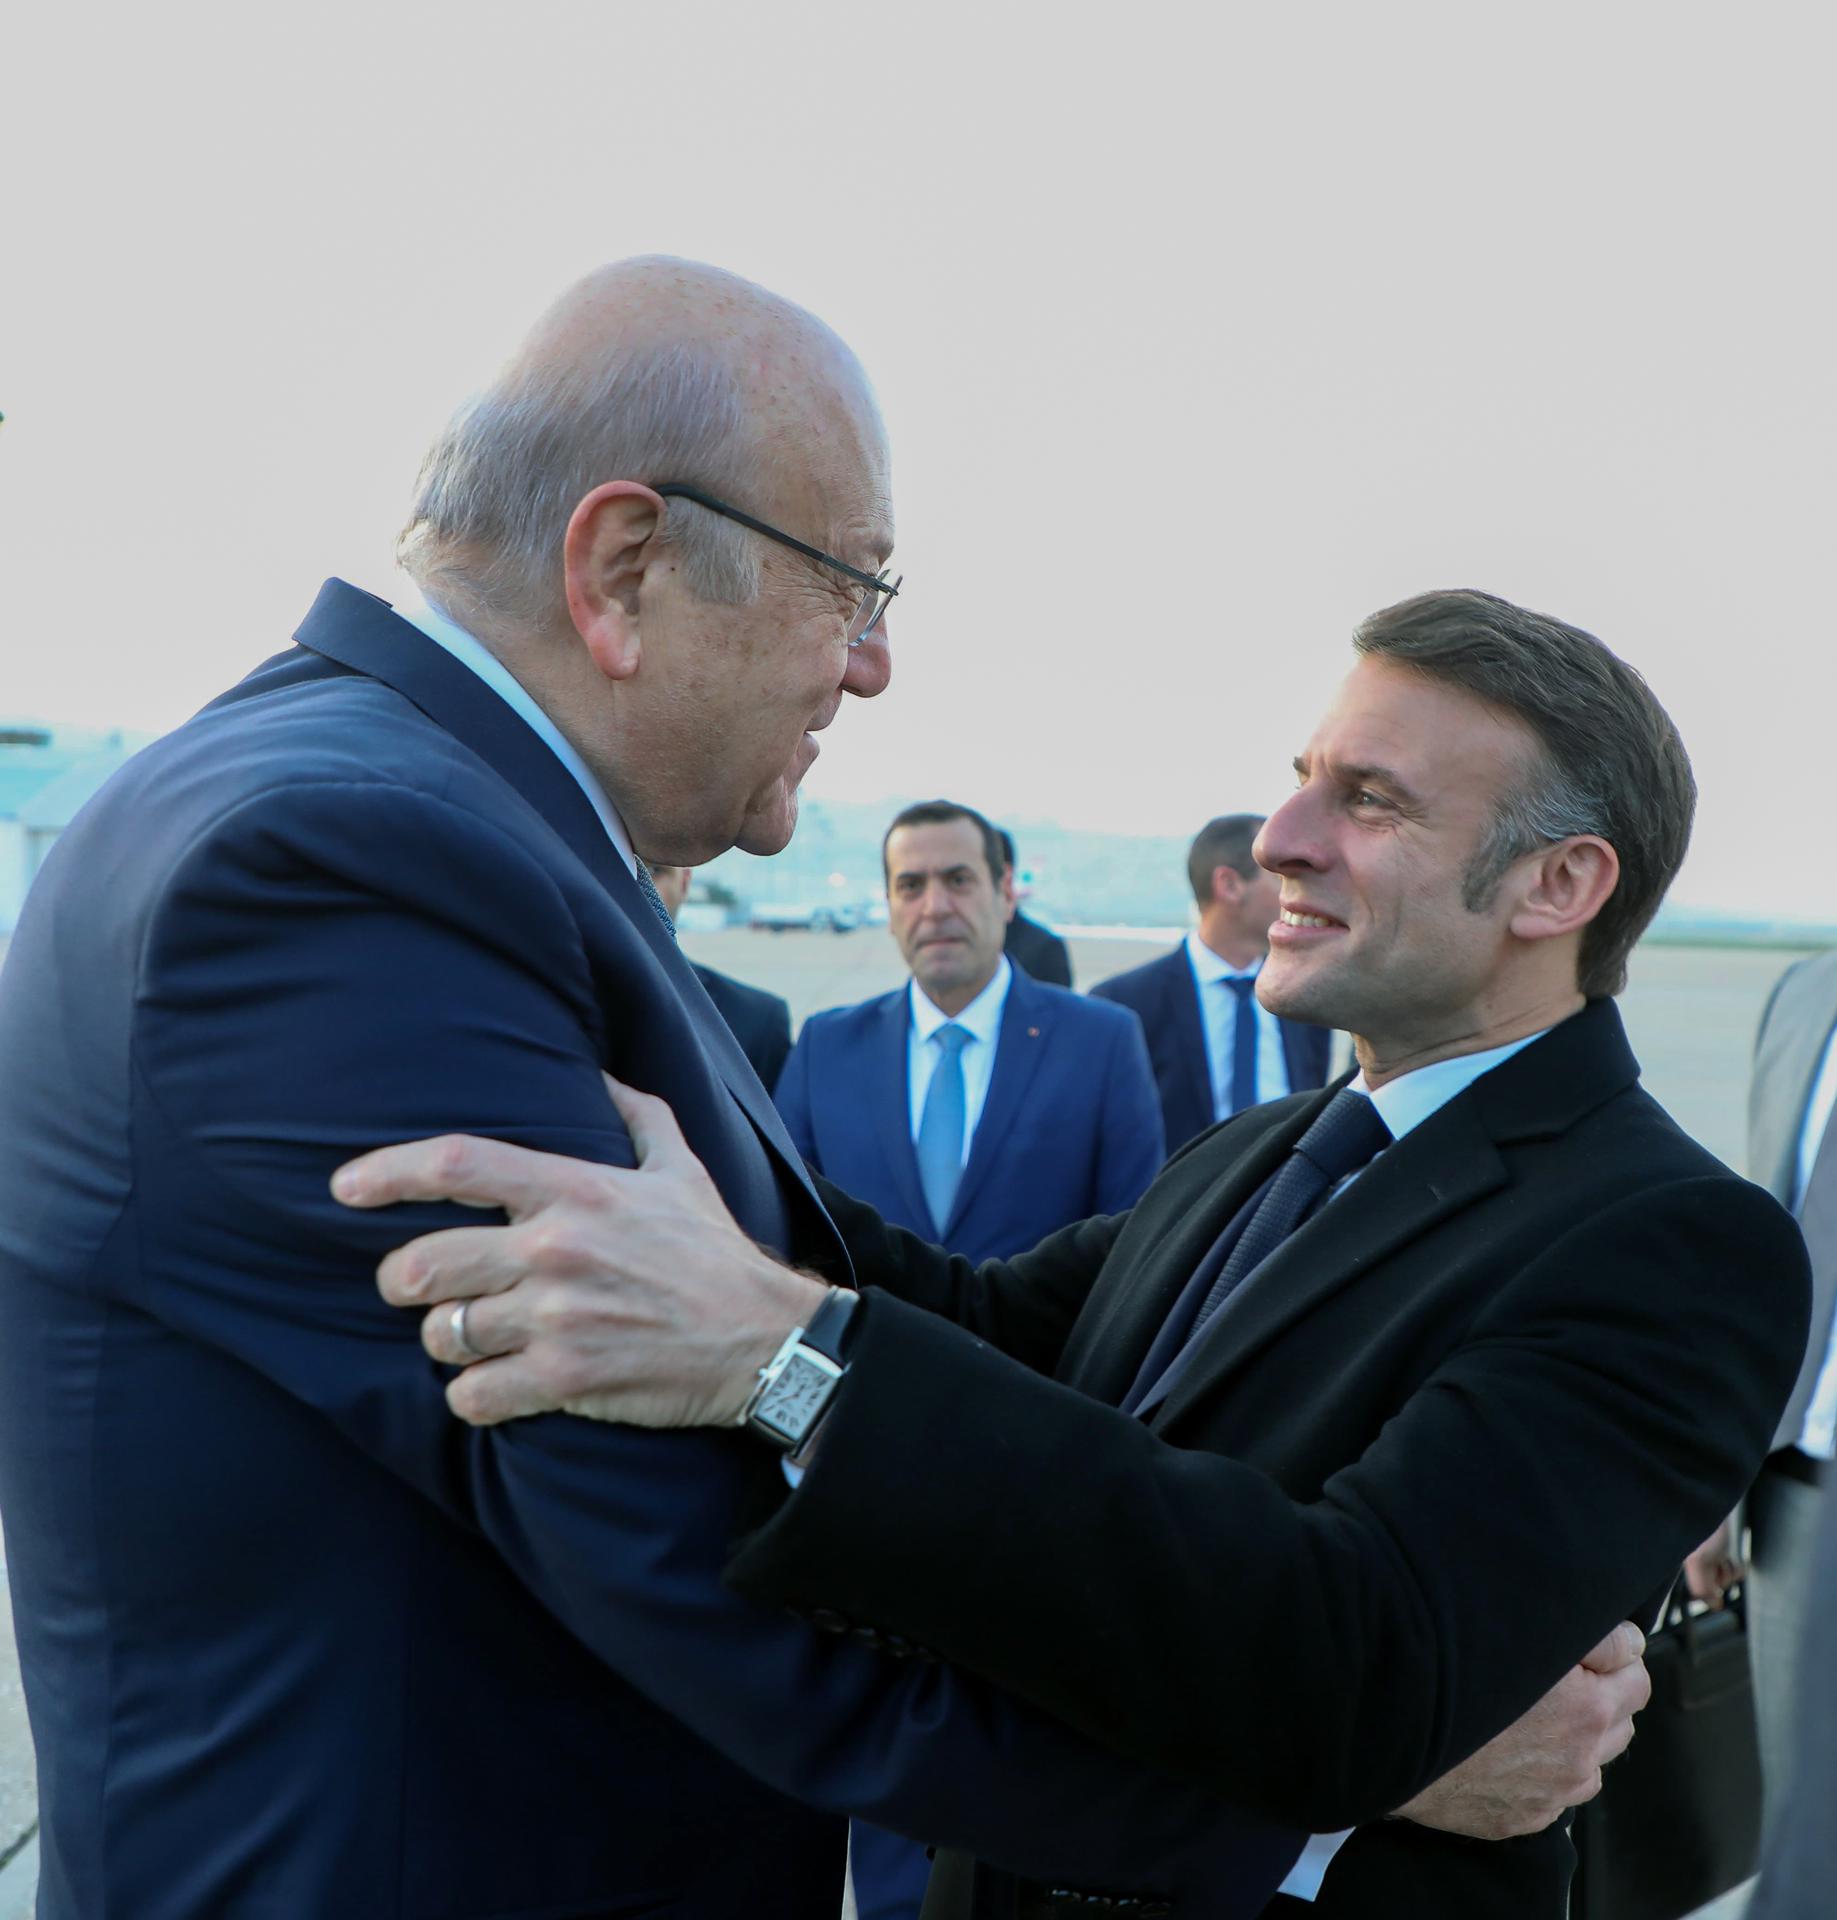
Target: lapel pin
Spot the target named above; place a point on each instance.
(1033, 1033)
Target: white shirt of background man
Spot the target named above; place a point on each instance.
(1218, 1009)
(981, 1019)
(1819, 1437)
(471, 652)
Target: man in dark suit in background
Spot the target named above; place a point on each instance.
(1215, 1049)
(973, 1106)
(1029, 944)
(1792, 1151)
(1434, 1375)
(760, 1021)
(393, 883)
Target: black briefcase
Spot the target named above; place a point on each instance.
(1677, 1820)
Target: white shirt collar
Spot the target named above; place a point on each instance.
(469, 651)
(1412, 1098)
(1209, 967)
(982, 1017)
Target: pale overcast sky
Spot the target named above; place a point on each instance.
(1200, 333)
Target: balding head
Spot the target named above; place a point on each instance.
(690, 660)
(649, 370)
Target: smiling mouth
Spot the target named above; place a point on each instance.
(1299, 920)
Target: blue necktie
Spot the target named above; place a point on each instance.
(1348, 1132)
(1243, 1044)
(940, 1134)
(646, 886)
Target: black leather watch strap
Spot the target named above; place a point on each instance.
(832, 1323)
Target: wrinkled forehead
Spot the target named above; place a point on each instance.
(1435, 738)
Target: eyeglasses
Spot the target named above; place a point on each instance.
(870, 610)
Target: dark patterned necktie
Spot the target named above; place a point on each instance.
(646, 886)
(1348, 1132)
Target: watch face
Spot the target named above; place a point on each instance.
(792, 1402)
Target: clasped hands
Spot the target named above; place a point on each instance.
(632, 1295)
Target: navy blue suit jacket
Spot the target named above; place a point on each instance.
(1070, 1128)
(760, 1021)
(294, 1640)
(1164, 994)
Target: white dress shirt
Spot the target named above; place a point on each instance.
(1819, 1437)
(981, 1019)
(1403, 1104)
(1218, 1011)
(447, 634)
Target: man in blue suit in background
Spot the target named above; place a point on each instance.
(1215, 1050)
(975, 1106)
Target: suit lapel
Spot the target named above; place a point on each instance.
(889, 1067)
(1446, 1164)
(1442, 1166)
(1020, 1046)
(1187, 1023)
(1188, 1210)
(361, 632)
(1787, 1060)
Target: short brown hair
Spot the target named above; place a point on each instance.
(936, 813)
(1611, 763)
(1224, 842)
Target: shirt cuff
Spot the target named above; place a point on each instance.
(1305, 1876)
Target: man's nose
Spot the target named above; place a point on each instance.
(1289, 838)
(870, 665)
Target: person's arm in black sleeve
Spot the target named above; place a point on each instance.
(1319, 1661)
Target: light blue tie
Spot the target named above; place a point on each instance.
(940, 1134)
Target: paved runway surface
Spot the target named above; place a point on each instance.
(1691, 1012)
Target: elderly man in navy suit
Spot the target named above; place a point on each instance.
(1215, 1049)
(975, 1106)
(294, 1640)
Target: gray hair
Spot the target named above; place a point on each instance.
(497, 488)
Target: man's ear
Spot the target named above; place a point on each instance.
(1227, 885)
(1564, 887)
(610, 544)
(1005, 888)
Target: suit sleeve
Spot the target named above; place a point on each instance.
(339, 967)
(1321, 1661)
(1024, 1307)
(1134, 1141)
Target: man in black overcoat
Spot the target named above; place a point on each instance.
(1386, 1402)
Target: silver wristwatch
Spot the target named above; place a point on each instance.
(797, 1384)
